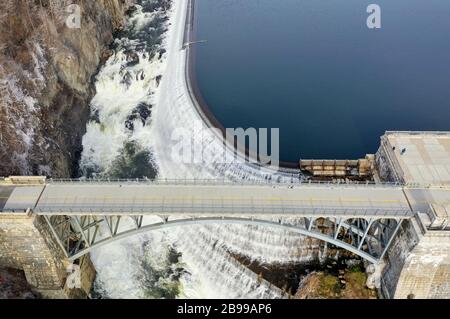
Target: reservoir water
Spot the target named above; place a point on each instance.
(315, 70)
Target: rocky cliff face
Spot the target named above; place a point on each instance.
(46, 74)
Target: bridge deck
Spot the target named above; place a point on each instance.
(421, 199)
(22, 197)
(135, 199)
(5, 192)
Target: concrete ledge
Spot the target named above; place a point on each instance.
(22, 180)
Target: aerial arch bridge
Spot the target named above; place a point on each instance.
(85, 214)
(367, 238)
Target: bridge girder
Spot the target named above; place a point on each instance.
(368, 238)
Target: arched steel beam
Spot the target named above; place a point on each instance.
(226, 220)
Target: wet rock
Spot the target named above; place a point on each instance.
(129, 124)
(95, 116)
(132, 58)
(158, 79)
(131, 10)
(140, 75)
(126, 79)
(141, 112)
(133, 162)
(13, 285)
(161, 53)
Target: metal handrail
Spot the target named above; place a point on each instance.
(228, 209)
(218, 182)
(224, 181)
(418, 132)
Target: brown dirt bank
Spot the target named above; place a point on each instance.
(46, 80)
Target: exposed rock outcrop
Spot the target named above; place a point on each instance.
(46, 72)
(14, 285)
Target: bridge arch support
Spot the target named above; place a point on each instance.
(368, 238)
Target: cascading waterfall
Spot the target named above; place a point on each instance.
(220, 275)
(285, 247)
(125, 93)
(130, 136)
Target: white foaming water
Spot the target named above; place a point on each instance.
(20, 105)
(119, 90)
(211, 271)
(215, 274)
(284, 246)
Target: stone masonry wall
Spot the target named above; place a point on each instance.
(23, 246)
(27, 243)
(426, 271)
(405, 240)
(417, 263)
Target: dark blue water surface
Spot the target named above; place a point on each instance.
(313, 69)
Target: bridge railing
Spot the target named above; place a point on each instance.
(292, 182)
(442, 133)
(226, 210)
(272, 182)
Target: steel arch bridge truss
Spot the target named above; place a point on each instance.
(368, 238)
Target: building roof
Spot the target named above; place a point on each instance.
(421, 157)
